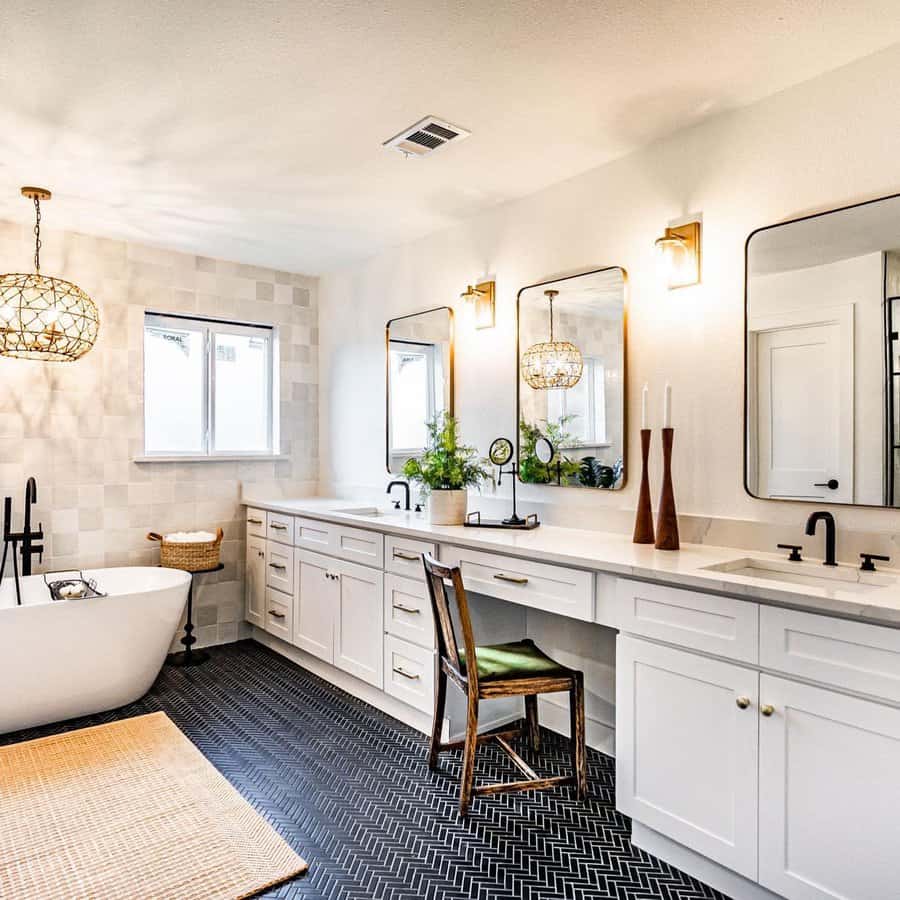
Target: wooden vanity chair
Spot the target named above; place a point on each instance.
(501, 670)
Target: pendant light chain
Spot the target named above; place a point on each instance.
(37, 234)
(551, 318)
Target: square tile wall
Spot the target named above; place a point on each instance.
(77, 427)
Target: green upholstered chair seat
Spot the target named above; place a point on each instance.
(520, 659)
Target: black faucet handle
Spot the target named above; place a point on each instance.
(795, 549)
(396, 504)
(867, 565)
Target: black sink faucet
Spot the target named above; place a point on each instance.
(405, 486)
(828, 519)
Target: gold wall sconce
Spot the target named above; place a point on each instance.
(678, 251)
(481, 296)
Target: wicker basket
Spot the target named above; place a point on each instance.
(190, 557)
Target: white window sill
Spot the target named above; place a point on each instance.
(224, 457)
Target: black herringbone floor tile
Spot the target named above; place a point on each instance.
(348, 788)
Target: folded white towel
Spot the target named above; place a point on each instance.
(190, 537)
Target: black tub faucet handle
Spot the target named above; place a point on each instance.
(867, 565)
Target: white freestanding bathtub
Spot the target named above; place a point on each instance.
(66, 658)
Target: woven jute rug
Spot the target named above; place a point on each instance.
(129, 810)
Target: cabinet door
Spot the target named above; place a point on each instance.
(255, 584)
(686, 749)
(315, 602)
(829, 801)
(359, 625)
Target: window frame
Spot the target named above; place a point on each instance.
(429, 350)
(209, 328)
(593, 366)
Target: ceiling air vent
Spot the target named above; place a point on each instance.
(425, 137)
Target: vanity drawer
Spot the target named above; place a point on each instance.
(359, 545)
(279, 613)
(280, 527)
(409, 673)
(403, 556)
(256, 522)
(556, 589)
(720, 625)
(852, 655)
(280, 567)
(313, 534)
(407, 610)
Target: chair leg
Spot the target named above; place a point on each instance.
(531, 721)
(579, 755)
(468, 761)
(440, 698)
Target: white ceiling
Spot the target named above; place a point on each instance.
(252, 129)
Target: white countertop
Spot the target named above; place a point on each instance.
(616, 554)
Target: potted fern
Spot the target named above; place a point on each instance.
(445, 470)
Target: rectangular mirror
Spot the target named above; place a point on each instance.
(823, 357)
(571, 384)
(419, 380)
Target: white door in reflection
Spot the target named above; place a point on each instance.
(805, 414)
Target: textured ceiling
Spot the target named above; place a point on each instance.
(252, 129)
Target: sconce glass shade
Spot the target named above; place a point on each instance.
(552, 365)
(45, 318)
(678, 255)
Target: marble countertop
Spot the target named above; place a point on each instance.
(615, 554)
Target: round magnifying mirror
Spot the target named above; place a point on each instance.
(501, 451)
(543, 450)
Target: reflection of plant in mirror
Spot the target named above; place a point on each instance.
(446, 464)
(593, 473)
(531, 469)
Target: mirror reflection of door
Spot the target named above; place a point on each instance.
(419, 380)
(804, 375)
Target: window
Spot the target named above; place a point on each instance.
(415, 399)
(209, 387)
(586, 403)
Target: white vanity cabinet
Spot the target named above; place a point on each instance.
(255, 582)
(829, 794)
(686, 749)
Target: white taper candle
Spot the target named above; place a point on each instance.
(645, 393)
(667, 408)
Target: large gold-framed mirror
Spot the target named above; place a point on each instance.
(420, 380)
(570, 355)
(822, 357)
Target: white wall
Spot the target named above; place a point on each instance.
(822, 144)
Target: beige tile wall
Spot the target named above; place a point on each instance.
(77, 427)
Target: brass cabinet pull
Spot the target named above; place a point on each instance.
(403, 554)
(406, 674)
(742, 702)
(513, 579)
(406, 609)
(766, 709)
(278, 526)
(276, 566)
(276, 615)
(255, 521)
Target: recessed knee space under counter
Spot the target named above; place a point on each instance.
(719, 695)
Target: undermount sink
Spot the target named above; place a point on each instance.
(371, 512)
(833, 578)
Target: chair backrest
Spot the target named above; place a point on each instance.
(437, 576)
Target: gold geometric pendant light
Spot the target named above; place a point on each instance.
(552, 365)
(42, 317)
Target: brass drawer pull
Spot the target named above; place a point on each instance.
(278, 526)
(276, 615)
(512, 579)
(404, 554)
(767, 710)
(254, 521)
(277, 566)
(406, 674)
(406, 609)
(742, 702)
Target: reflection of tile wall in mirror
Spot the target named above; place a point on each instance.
(588, 311)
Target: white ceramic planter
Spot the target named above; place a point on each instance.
(447, 507)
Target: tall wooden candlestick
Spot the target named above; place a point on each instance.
(643, 523)
(667, 523)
